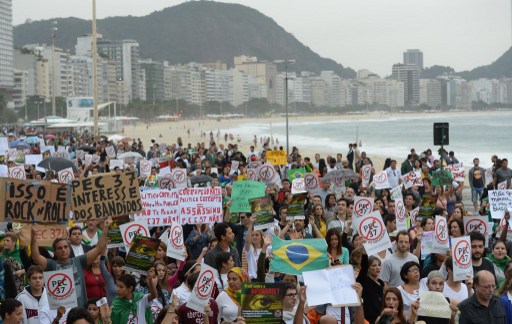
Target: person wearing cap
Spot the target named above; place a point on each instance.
(435, 282)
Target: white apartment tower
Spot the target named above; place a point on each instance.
(6, 45)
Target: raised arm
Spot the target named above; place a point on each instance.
(248, 236)
(152, 282)
(36, 256)
(102, 243)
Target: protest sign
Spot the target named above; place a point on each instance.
(372, 230)
(176, 243)
(267, 173)
(160, 207)
(115, 163)
(502, 185)
(33, 159)
(296, 206)
(129, 230)
(503, 225)
(203, 288)
(45, 234)
(200, 205)
(88, 159)
(95, 159)
(442, 178)
(103, 195)
(426, 244)
(499, 202)
(401, 216)
(17, 172)
(396, 193)
(234, 166)
(66, 175)
(166, 182)
(145, 168)
(142, 253)
(427, 206)
(242, 192)
(4, 145)
(476, 223)
(380, 180)
(30, 201)
(362, 206)
(4, 171)
(115, 237)
(60, 287)
(311, 182)
(461, 252)
(276, 157)
(262, 207)
(111, 151)
(331, 286)
(254, 311)
(252, 174)
(413, 214)
(179, 176)
(434, 304)
(298, 186)
(366, 173)
(440, 244)
(458, 173)
(409, 179)
(164, 170)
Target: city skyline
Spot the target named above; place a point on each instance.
(444, 32)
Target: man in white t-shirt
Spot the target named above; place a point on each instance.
(393, 174)
(392, 264)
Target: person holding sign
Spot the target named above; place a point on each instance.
(455, 289)
(130, 306)
(227, 300)
(63, 260)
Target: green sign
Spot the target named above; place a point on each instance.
(296, 173)
(242, 192)
(442, 178)
(262, 207)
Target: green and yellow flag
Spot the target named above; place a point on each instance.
(296, 256)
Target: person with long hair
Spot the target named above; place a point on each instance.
(338, 253)
(392, 310)
(227, 300)
(223, 263)
(253, 247)
(162, 288)
(317, 221)
(506, 291)
(410, 289)
(373, 287)
(94, 282)
(161, 252)
(330, 207)
(456, 228)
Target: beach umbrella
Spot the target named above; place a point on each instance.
(201, 179)
(132, 155)
(20, 145)
(57, 164)
(32, 140)
(88, 149)
(51, 136)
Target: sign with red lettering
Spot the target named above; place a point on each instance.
(372, 230)
(200, 205)
(160, 207)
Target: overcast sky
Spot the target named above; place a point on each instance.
(369, 34)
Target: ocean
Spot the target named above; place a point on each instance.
(470, 135)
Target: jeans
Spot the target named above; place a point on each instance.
(476, 193)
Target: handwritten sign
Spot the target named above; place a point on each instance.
(499, 202)
(60, 287)
(29, 201)
(409, 179)
(200, 205)
(242, 192)
(442, 178)
(366, 173)
(461, 252)
(160, 207)
(45, 234)
(33, 159)
(203, 289)
(103, 195)
(276, 157)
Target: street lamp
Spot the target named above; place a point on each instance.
(286, 62)
(54, 30)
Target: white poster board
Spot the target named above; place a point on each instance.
(202, 291)
(60, 288)
(461, 253)
(331, 286)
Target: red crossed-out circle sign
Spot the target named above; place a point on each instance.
(65, 176)
(177, 236)
(166, 182)
(400, 209)
(17, 172)
(381, 177)
(145, 166)
(298, 184)
(137, 229)
(311, 181)
(179, 176)
(462, 253)
(371, 228)
(251, 173)
(266, 172)
(59, 285)
(362, 207)
(476, 225)
(205, 284)
(441, 231)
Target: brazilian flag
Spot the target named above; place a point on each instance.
(296, 256)
(296, 173)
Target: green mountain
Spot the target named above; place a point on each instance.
(198, 31)
(500, 68)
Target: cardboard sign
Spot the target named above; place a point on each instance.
(200, 205)
(499, 202)
(33, 159)
(461, 253)
(372, 230)
(434, 304)
(29, 201)
(60, 287)
(142, 254)
(380, 180)
(401, 216)
(440, 244)
(276, 157)
(45, 234)
(242, 192)
(66, 175)
(258, 312)
(130, 230)
(366, 173)
(17, 172)
(202, 291)
(103, 195)
(160, 207)
(176, 243)
(262, 207)
(476, 223)
(311, 182)
(145, 168)
(298, 186)
(331, 286)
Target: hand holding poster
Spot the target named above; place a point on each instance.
(461, 253)
(262, 208)
(142, 254)
(176, 243)
(409, 179)
(271, 311)
(60, 287)
(130, 230)
(372, 230)
(200, 205)
(311, 182)
(442, 178)
(298, 186)
(203, 289)
(440, 243)
(499, 202)
(380, 180)
(337, 280)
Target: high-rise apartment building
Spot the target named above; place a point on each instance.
(414, 57)
(266, 72)
(6, 45)
(410, 76)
